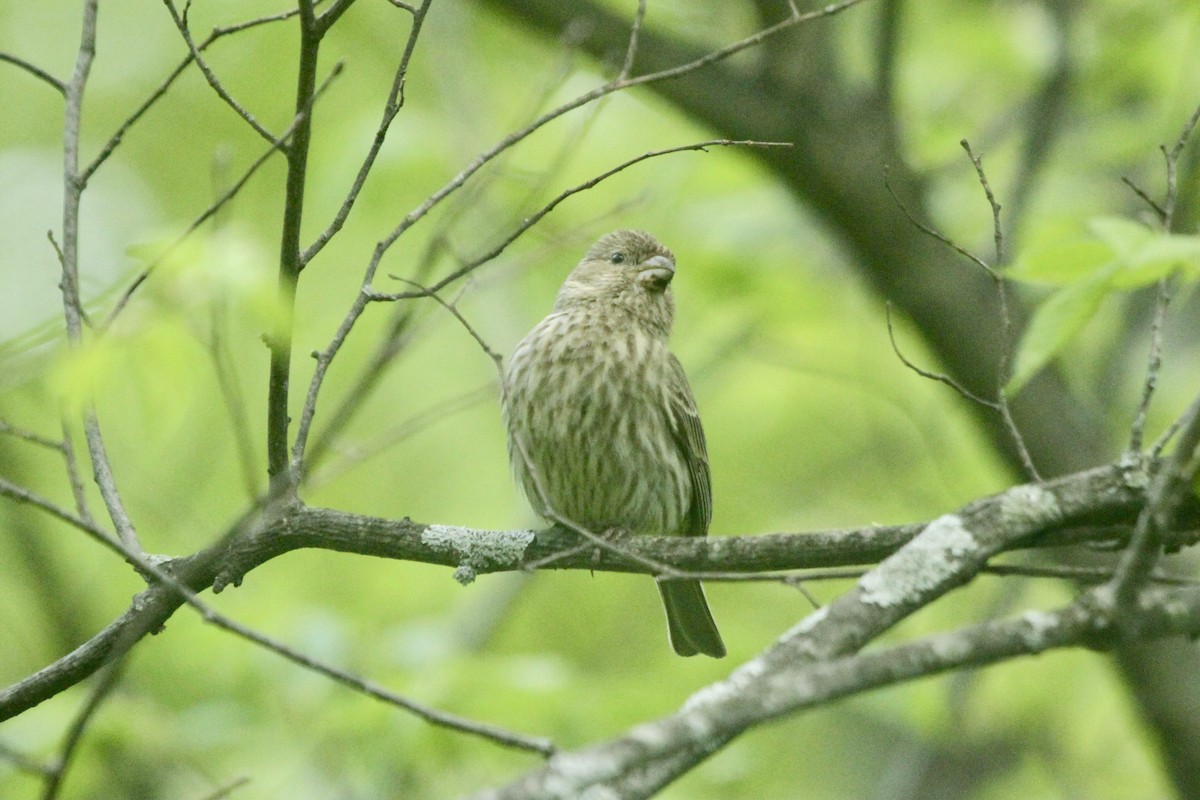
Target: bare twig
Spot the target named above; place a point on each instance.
(156, 573)
(1172, 158)
(1163, 297)
(73, 476)
(395, 101)
(430, 714)
(69, 255)
(1000, 405)
(100, 692)
(161, 90)
(997, 232)
(235, 404)
(496, 358)
(228, 789)
(221, 201)
(515, 137)
(635, 31)
(1171, 484)
(23, 495)
(389, 438)
(1006, 336)
(1137, 430)
(527, 223)
(36, 71)
(928, 231)
(1060, 572)
(181, 25)
(963, 391)
(29, 436)
(1147, 199)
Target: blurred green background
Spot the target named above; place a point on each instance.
(812, 421)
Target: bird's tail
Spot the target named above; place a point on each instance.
(689, 622)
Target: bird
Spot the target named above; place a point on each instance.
(603, 429)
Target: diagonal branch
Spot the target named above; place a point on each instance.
(221, 201)
(181, 24)
(36, 71)
(653, 754)
(161, 90)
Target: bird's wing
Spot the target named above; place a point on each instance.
(689, 436)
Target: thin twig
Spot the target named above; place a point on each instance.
(70, 279)
(496, 358)
(1006, 323)
(225, 197)
(155, 572)
(1172, 482)
(1163, 297)
(29, 436)
(1001, 404)
(73, 475)
(527, 223)
(355, 455)
(1147, 199)
(69, 257)
(631, 49)
(1137, 429)
(100, 692)
(235, 403)
(1088, 574)
(36, 71)
(1172, 159)
(430, 714)
(181, 25)
(24, 762)
(966, 393)
(928, 231)
(997, 233)
(515, 137)
(23, 495)
(160, 91)
(395, 101)
(225, 791)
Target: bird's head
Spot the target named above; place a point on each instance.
(627, 271)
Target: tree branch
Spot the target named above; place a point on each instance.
(1030, 515)
(788, 678)
(36, 71)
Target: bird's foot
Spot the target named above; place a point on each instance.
(606, 535)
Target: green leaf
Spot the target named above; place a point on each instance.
(1061, 263)
(1157, 258)
(1056, 322)
(1123, 236)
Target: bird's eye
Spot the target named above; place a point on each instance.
(617, 258)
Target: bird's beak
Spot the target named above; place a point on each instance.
(656, 273)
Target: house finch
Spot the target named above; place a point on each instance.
(602, 426)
